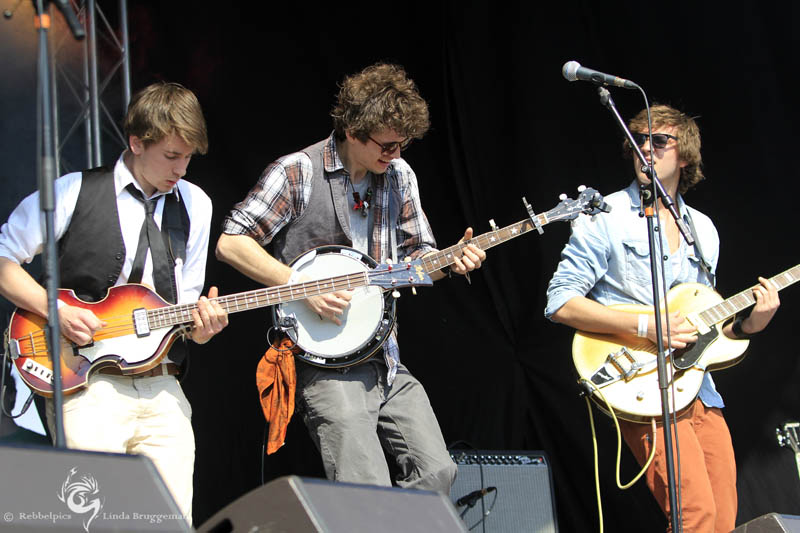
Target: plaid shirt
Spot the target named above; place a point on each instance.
(284, 189)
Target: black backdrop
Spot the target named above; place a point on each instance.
(505, 125)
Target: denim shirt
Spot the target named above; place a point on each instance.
(607, 259)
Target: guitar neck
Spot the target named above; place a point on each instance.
(738, 302)
(444, 258)
(177, 315)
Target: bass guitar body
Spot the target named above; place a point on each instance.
(117, 344)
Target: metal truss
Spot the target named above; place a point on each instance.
(104, 69)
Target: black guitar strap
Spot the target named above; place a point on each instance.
(706, 266)
(175, 227)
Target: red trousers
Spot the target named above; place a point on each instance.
(707, 468)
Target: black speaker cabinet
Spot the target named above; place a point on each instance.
(296, 505)
(771, 523)
(48, 489)
(504, 491)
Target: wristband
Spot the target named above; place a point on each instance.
(641, 330)
(736, 327)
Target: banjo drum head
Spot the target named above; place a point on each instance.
(360, 321)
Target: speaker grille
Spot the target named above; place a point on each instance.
(522, 501)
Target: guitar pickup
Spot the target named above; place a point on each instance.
(140, 323)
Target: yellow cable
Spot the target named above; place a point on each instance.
(619, 450)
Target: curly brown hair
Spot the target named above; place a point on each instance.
(688, 134)
(380, 97)
(162, 109)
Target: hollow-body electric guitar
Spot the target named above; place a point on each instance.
(141, 326)
(623, 367)
(368, 320)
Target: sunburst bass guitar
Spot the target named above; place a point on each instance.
(623, 367)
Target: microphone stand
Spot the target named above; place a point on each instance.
(46, 177)
(649, 198)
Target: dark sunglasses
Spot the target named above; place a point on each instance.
(660, 140)
(389, 148)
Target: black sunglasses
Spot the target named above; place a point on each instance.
(660, 140)
(389, 148)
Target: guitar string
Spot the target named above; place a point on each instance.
(723, 313)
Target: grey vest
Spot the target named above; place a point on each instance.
(325, 220)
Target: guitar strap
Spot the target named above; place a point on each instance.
(175, 226)
(394, 208)
(706, 266)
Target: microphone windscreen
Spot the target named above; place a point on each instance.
(570, 70)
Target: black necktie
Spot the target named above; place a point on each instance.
(150, 237)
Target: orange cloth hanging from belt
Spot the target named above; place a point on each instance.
(276, 381)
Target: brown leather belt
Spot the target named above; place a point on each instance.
(166, 369)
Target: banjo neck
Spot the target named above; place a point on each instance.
(444, 258)
(589, 202)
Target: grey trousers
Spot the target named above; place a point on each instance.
(354, 416)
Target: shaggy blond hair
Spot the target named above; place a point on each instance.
(161, 109)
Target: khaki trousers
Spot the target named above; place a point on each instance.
(147, 415)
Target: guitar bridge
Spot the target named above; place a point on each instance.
(625, 363)
(13, 349)
(620, 365)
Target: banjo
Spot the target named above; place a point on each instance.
(369, 319)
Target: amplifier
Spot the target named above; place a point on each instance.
(504, 491)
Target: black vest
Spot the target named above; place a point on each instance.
(91, 251)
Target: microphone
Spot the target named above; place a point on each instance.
(572, 70)
(471, 499)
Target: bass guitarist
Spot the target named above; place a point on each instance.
(353, 189)
(104, 240)
(606, 262)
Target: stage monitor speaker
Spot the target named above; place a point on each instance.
(50, 489)
(771, 523)
(504, 491)
(297, 505)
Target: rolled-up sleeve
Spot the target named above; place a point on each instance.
(584, 261)
(279, 196)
